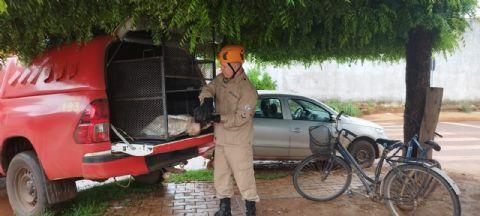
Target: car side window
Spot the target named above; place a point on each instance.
(305, 110)
(269, 108)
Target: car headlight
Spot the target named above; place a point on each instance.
(379, 130)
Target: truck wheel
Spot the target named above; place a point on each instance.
(26, 185)
(150, 178)
(363, 151)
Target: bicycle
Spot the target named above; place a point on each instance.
(406, 188)
(422, 152)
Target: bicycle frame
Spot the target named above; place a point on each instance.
(359, 171)
(413, 143)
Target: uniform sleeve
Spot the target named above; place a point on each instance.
(207, 91)
(245, 110)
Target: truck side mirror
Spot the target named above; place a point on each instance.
(339, 115)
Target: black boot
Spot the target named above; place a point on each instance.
(224, 208)
(250, 206)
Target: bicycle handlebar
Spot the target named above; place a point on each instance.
(347, 132)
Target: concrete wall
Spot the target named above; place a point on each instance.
(458, 74)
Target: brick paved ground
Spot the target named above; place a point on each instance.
(174, 199)
(278, 198)
(196, 199)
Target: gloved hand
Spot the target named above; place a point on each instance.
(202, 114)
(198, 115)
(208, 105)
(215, 118)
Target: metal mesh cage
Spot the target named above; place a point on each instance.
(137, 95)
(206, 68)
(144, 112)
(179, 63)
(136, 79)
(145, 90)
(321, 141)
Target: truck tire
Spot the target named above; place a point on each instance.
(363, 152)
(150, 178)
(26, 186)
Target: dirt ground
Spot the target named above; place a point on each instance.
(358, 205)
(278, 197)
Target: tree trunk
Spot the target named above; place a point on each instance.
(417, 79)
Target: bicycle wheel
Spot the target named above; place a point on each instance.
(408, 191)
(321, 178)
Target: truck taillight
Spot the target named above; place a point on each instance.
(93, 126)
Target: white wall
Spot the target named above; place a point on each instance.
(458, 74)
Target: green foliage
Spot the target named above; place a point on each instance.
(3, 6)
(349, 108)
(276, 31)
(371, 107)
(466, 108)
(261, 80)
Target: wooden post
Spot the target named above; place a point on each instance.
(430, 118)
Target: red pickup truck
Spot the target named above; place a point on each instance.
(77, 112)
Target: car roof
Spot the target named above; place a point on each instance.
(273, 92)
(291, 94)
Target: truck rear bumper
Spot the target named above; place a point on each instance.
(103, 165)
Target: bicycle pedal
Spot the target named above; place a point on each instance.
(349, 193)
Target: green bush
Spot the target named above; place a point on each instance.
(348, 108)
(371, 106)
(466, 108)
(261, 80)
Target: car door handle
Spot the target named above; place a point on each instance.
(296, 130)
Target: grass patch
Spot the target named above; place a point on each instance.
(95, 201)
(466, 108)
(191, 176)
(349, 108)
(207, 176)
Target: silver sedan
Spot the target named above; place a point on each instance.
(282, 121)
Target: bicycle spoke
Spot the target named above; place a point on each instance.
(413, 190)
(320, 179)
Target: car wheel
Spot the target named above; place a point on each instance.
(363, 151)
(150, 178)
(26, 185)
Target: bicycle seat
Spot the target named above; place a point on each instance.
(433, 145)
(390, 144)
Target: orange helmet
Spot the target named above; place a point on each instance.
(231, 54)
